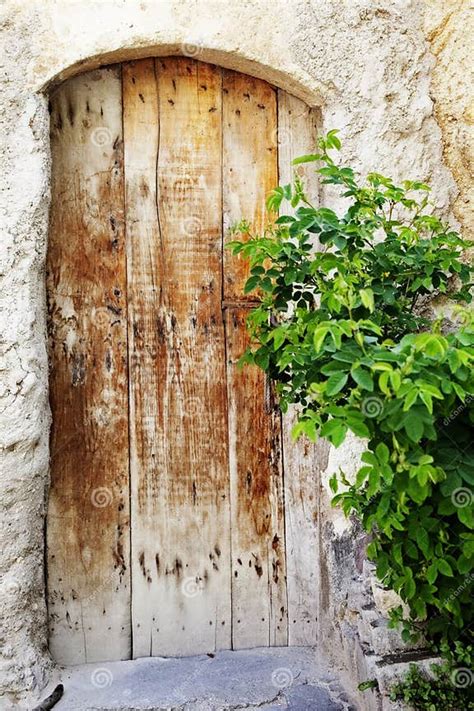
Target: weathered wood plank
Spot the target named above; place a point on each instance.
(250, 171)
(298, 126)
(88, 522)
(179, 457)
(259, 606)
(250, 166)
(297, 135)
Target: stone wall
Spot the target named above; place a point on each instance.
(374, 66)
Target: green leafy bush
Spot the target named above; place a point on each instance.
(344, 334)
(426, 693)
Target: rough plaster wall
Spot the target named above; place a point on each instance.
(24, 415)
(449, 28)
(366, 61)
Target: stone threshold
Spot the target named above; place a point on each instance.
(276, 678)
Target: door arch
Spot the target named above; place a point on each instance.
(167, 532)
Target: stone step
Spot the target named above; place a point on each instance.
(277, 678)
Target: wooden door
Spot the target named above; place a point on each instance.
(167, 528)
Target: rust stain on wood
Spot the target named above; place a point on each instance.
(250, 164)
(87, 548)
(179, 436)
(147, 320)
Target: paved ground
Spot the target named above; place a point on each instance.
(266, 679)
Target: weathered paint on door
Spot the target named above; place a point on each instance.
(168, 532)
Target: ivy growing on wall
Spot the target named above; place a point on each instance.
(347, 335)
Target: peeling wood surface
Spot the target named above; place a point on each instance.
(88, 522)
(147, 321)
(297, 135)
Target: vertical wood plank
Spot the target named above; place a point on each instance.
(250, 165)
(179, 456)
(141, 131)
(297, 135)
(88, 521)
(250, 171)
(259, 606)
(298, 128)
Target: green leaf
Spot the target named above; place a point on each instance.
(409, 588)
(363, 378)
(251, 283)
(333, 483)
(413, 427)
(359, 428)
(335, 383)
(422, 540)
(466, 516)
(374, 483)
(444, 568)
(367, 298)
(318, 338)
(309, 158)
(382, 452)
(384, 505)
(464, 565)
(279, 336)
(335, 431)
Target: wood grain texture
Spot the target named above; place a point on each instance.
(297, 135)
(250, 171)
(259, 605)
(249, 164)
(88, 522)
(180, 484)
(298, 130)
(186, 552)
